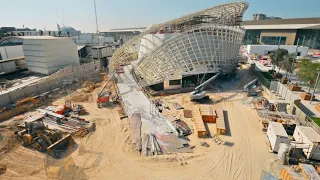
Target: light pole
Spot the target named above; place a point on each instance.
(315, 86)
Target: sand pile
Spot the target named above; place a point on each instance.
(7, 142)
(84, 94)
(81, 97)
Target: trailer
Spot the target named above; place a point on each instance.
(309, 137)
(277, 135)
(200, 129)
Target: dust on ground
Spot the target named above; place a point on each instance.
(107, 153)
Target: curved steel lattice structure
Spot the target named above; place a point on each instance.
(201, 42)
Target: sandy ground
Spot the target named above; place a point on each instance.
(107, 153)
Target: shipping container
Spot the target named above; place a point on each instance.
(221, 126)
(208, 114)
(277, 135)
(198, 123)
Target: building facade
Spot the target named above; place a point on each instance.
(300, 31)
(203, 42)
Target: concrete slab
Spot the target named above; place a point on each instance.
(153, 122)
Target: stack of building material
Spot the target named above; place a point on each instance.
(309, 171)
(198, 123)
(303, 171)
(151, 145)
(221, 126)
(306, 96)
(317, 107)
(208, 114)
(187, 113)
(136, 130)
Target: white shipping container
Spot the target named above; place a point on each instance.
(309, 137)
(276, 135)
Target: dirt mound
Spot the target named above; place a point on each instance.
(7, 143)
(81, 97)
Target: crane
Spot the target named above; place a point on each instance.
(104, 96)
(199, 93)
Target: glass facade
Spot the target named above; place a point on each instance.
(252, 37)
(308, 37)
(273, 40)
(304, 37)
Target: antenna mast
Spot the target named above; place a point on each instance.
(95, 10)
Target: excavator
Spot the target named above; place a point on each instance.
(199, 94)
(37, 135)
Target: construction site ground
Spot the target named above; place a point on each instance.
(107, 153)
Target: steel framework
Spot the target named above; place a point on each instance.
(200, 42)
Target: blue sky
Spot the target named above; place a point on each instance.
(132, 13)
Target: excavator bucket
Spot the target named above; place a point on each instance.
(62, 147)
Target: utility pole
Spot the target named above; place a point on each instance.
(315, 86)
(95, 10)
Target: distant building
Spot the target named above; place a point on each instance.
(68, 29)
(122, 35)
(264, 17)
(298, 31)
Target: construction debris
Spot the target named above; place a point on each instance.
(177, 106)
(3, 168)
(187, 113)
(182, 127)
(136, 130)
(205, 144)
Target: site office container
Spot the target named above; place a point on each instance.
(309, 137)
(198, 123)
(276, 135)
(208, 114)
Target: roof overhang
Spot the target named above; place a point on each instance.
(282, 26)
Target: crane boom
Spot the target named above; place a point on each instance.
(105, 85)
(201, 86)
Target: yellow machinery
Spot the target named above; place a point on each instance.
(26, 100)
(35, 134)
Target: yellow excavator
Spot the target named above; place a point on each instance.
(37, 135)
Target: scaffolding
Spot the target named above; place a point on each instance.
(193, 43)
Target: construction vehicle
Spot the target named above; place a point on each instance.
(104, 95)
(199, 94)
(252, 88)
(79, 110)
(25, 101)
(37, 135)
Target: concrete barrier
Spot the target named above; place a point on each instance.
(17, 95)
(43, 87)
(53, 84)
(31, 90)
(5, 100)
